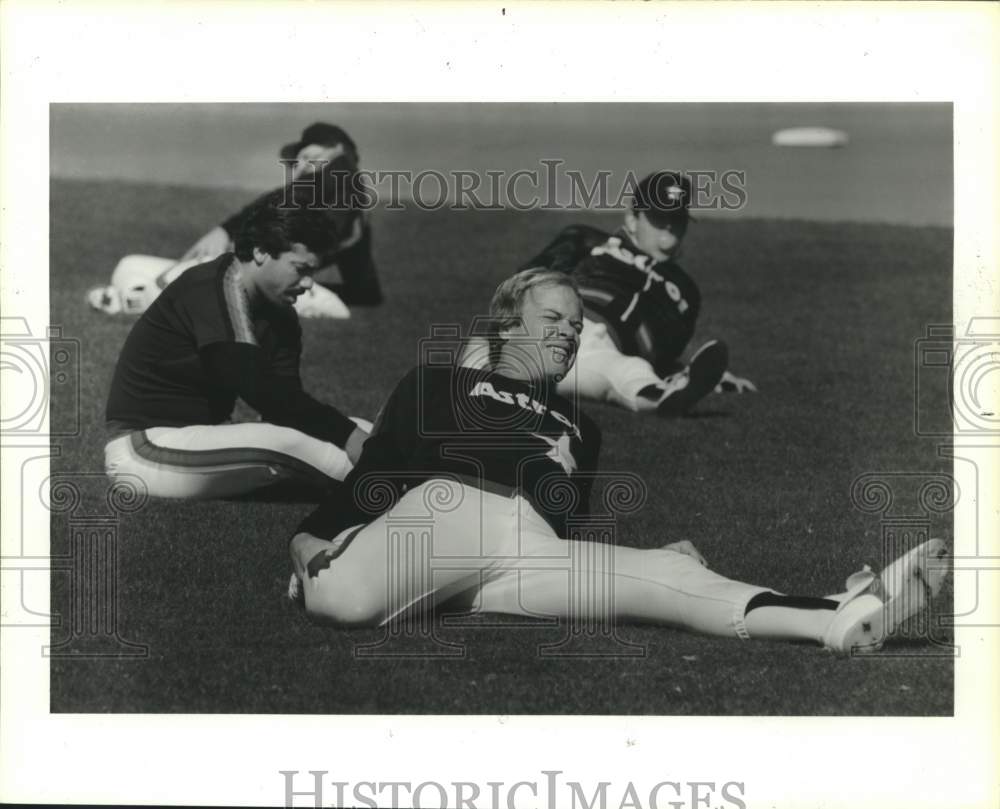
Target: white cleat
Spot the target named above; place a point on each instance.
(105, 299)
(858, 626)
(873, 608)
(857, 583)
(913, 580)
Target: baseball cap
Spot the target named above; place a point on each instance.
(322, 135)
(664, 197)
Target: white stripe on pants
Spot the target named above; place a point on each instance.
(444, 538)
(260, 454)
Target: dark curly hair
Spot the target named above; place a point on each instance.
(285, 217)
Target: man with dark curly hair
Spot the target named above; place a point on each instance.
(223, 330)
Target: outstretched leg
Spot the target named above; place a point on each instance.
(603, 373)
(500, 549)
(669, 587)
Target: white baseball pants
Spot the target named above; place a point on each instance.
(223, 460)
(602, 373)
(444, 540)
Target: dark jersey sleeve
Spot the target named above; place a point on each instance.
(275, 393)
(286, 350)
(667, 316)
(379, 478)
(651, 310)
(359, 283)
(160, 378)
(568, 248)
(588, 462)
(221, 316)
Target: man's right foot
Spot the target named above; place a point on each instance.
(689, 386)
(873, 608)
(858, 626)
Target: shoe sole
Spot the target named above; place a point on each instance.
(913, 580)
(866, 631)
(705, 371)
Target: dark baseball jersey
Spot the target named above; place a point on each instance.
(495, 432)
(200, 345)
(649, 307)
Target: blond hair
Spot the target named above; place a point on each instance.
(508, 300)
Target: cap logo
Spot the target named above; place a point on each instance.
(674, 193)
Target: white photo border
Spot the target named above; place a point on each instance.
(499, 51)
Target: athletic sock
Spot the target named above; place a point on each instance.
(798, 602)
(304, 549)
(780, 617)
(651, 392)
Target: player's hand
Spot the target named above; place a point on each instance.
(355, 443)
(212, 244)
(730, 383)
(688, 549)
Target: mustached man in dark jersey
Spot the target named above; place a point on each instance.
(222, 330)
(640, 307)
(462, 494)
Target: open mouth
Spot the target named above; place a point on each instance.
(560, 354)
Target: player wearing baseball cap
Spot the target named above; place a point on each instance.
(223, 330)
(641, 307)
(326, 158)
(467, 485)
(325, 163)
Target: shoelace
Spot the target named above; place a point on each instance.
(676, 382)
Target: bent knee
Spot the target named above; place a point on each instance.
(328, 602)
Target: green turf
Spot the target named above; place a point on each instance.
(823, 317)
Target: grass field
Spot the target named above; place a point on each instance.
(823, 317)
